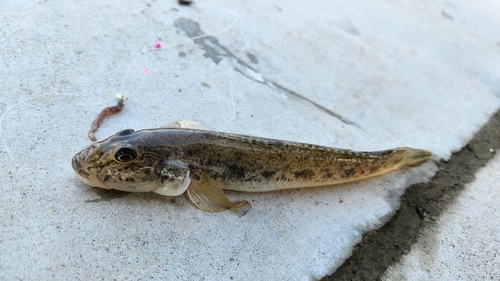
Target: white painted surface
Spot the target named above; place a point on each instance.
(464, 243)
(403, 73)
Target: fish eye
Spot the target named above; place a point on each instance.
(125, 153)
(125, 132)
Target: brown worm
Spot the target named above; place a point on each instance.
(108, 110)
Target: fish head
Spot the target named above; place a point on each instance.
(120, 162)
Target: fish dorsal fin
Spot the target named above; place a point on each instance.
(174, 178)
(187, 124)
(209, 197)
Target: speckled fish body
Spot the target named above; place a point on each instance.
(171, 161)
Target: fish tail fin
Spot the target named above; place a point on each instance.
(412, 157)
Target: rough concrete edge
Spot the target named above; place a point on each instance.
(421, 204)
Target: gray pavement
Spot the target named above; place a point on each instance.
(464, 242)
(364, 76)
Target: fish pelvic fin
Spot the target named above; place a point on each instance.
(207, 196)
(411, 157)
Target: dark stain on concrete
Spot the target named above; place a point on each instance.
(347, 25)
(446, 15)
(384, 247)
(215, 51)
(252, 58)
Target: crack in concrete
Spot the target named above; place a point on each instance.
(421, 204)
(215, 51)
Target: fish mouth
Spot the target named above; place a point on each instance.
(83, 173)
(90, 182)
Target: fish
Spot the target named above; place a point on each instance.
(204, 163)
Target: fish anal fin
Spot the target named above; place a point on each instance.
(207, 196)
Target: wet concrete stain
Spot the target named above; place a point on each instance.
(446, 15)
(346, 25)
(252, 58)
(421, 204)
(215, 51)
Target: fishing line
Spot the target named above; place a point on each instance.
(157, 46)
(7, 149)
(233, 60)
(31, 179)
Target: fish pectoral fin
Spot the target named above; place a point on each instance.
(175, 178)
(187, 124)
(208, 197)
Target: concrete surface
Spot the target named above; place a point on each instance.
(464, 243)
(420, 206)
(365, 76)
